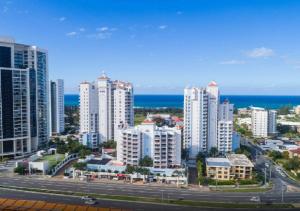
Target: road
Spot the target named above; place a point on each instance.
(146, 191)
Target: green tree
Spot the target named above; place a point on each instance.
(286, 155)
(20, 170)
(84, 151)
(275, 155)
(200, 157)
(146, 161)
(79, 166)
(292, 164)
(213, 152)
(111, 144)
(284, 110)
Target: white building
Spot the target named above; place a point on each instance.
(24, 100)
(57, 113)
(162, 144)
(206, 124)
(213, 106)
(259, 122)
(272, 122)
(225, 127)
(88, 104)
(105, 107)
(195, 120)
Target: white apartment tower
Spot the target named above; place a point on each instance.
(213, 106)
(259, 122)
(206, 123)
(162, 144)
(106, 107)
(195, 120)
(88, 108)
(57, 113)
(272, 123)
(225, 127)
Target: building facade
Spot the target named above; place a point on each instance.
(57, 106)
(259, 122)
(225, 127)
(106, 107)
(207, 123)
(24, 101)
(88, 108)
(162, 144)
(234, 166)
(272, 122)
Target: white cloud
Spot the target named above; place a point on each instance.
(71, 34)
(103, 29)
(260, 52)
(179, 12)
(62, 19)
(162, 27)
(100, 35)
(232, 62)
(82, 29)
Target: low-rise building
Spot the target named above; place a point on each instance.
(234, 166)
(91, 140)
(294, 153)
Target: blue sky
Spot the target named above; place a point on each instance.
(161, 46)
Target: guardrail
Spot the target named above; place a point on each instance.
(65, 161)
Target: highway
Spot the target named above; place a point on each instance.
(146, 191)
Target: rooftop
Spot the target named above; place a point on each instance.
(99, 162)
(239, 160)
(222, 162)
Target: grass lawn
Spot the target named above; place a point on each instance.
(139, 118)
(52, 159)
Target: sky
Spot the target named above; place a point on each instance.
(248, 47)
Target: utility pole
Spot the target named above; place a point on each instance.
(265, 176)
(270, 174)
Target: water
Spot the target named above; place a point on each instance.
(176, 101)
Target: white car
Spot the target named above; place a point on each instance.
(255, 199)
(90, 201)
(86, 198)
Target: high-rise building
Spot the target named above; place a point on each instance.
(206, 123)
(57, 106)
(105, 107)
(213, 106)
(225, 127)
(272, 122)
(259, 122)
(24, 101)
(88, 107)
(162, 144)
(195, 121)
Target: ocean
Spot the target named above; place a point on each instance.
(176, 101)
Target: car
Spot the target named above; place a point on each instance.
(90, 202)
(255, 199)
(86, 198)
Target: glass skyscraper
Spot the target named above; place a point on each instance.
(24, 100)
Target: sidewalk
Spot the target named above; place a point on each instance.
(140, 184)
